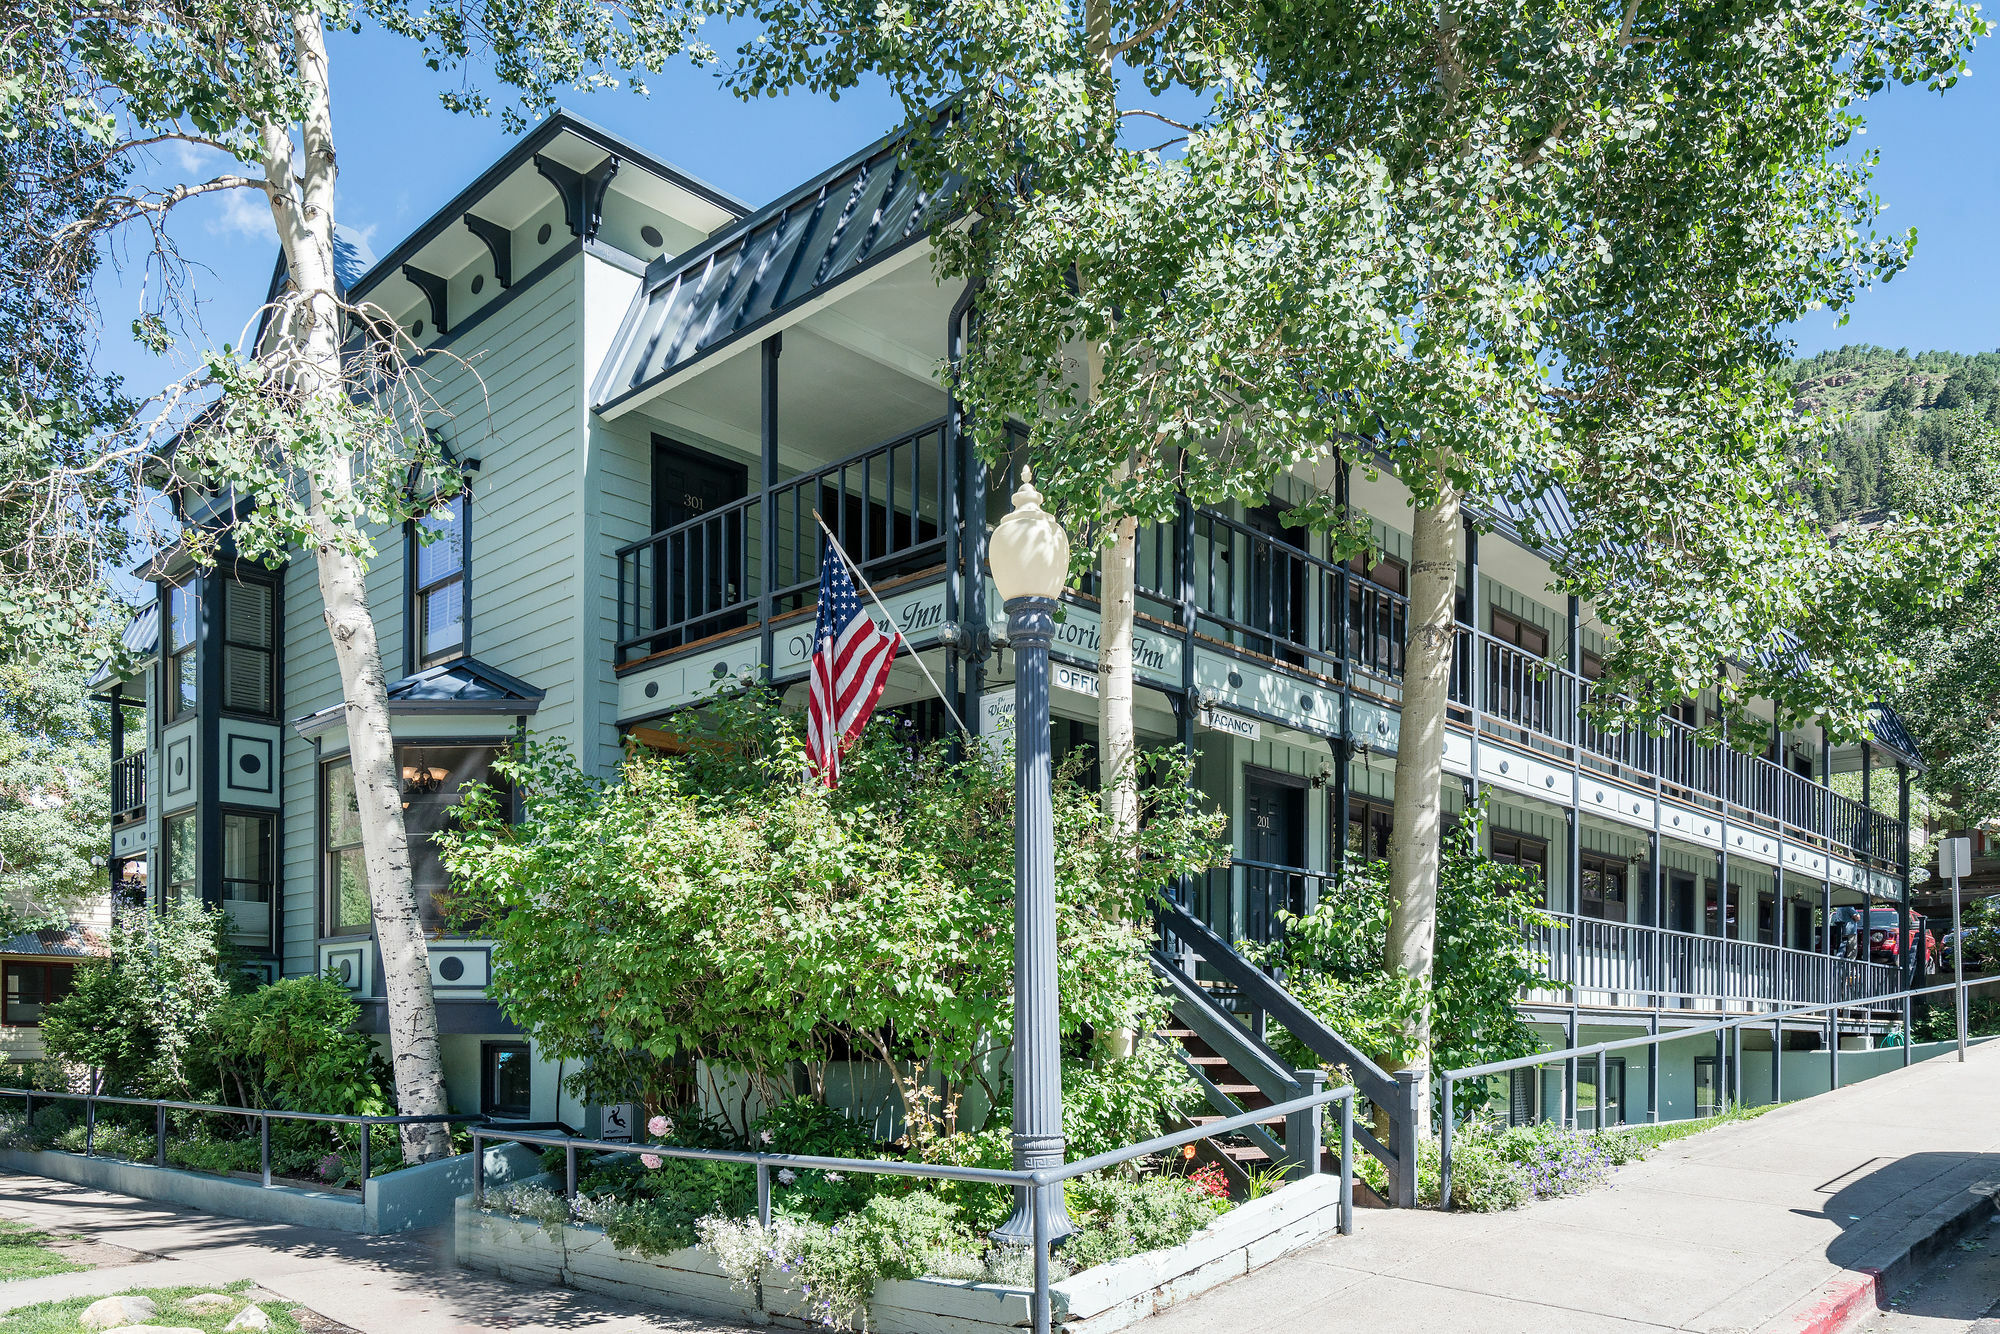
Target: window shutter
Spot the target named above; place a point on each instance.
(246, 685)
(248, 606)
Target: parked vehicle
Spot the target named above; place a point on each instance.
(1879, 943)
(1977, 953)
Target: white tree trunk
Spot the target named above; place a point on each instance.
(1413, 839)
(302, 207)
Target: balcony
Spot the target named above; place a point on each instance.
(1589, 961)
(756, 560)
(128, 787)
(1219, 582)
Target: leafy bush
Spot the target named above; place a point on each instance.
(1119, 1215)
(293, 1045)
(1331, 959)
(711, 905)
(137, 1017)
(1937, 1022)
(1495, 1168)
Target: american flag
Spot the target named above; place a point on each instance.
(850, 665)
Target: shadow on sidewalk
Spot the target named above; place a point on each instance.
(1897, 1214)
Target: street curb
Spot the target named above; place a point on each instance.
(1842, 1303)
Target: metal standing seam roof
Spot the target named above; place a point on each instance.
(827, 230)
(141, 639)
(465, 686)
(71, 942)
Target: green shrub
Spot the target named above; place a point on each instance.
(1331, 959)
(1119, 1215)
(293, 1044)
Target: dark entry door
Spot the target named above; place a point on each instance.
(698, 567)
(1275, 588)
(1274, 834)
(1680, 901)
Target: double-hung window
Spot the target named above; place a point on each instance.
(1603, 887)
(345, 874)
(182, 859)
(247, 876)
(183, 622)
(437, 590)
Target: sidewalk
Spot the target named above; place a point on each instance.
(377, 1285)
(1776, 1224)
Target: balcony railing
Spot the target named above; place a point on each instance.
(1241, 585)
(1625, 964)
(1587, 959)
(708, 576)
(128, 785)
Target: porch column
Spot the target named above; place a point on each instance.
(768, 435)
(117, 725)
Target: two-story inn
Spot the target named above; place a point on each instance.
(654, 388)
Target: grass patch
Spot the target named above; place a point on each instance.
(1666, 1132)
(62, 1317)
(25, 1253)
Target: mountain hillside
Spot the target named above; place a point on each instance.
(1891, 401)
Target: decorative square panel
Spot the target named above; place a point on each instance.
(252, 764)
(179, 766)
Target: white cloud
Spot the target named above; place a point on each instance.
(244, 213)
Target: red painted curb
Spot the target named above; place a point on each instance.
(1839, 1304)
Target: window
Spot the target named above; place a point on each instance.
(1603, 888)
(1368, 826)
(1767, 918)
(1719, 913)
(1521, 1090)
(1388, 572)
(30, 986)
(183, 858)
(247, 879)
(1530, 639)
(1511, 849)
(504, 1083)
(246, 648)
(345, 873)
(1707, 1096)
(1375, 620)
(1610, 1099)
(433, 779)
(183, 622)
(438, 591)
(1593, 665)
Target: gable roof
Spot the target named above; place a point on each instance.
(74, 941)
(791, 250)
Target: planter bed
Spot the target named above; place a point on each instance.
(1108, 1297)
(410, 1197)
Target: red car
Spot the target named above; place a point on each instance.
(1881, 944)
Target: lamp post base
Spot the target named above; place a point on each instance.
(1031, 1153)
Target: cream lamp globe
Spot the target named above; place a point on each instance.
(1029, 552)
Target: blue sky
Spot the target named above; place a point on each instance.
(402, 156)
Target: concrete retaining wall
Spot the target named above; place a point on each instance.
(1099, 1300)
(413, 1197)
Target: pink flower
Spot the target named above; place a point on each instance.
(659, 1125)
(651, 1160)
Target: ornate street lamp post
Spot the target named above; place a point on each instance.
(1029, 553)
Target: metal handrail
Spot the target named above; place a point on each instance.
(1776, 1018)
(1040, 1305)
(264, 1115)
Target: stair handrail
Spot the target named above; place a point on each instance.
(1375, 1083)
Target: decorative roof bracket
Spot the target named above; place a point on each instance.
(582, 192)
(499, 243)
(432, 286)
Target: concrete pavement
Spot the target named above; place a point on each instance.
(1798, 1221)
(377, 1285)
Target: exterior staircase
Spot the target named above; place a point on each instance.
(1220, 1002)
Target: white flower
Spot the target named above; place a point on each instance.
(767, 1137)
(786, 1176)
(834, 1177)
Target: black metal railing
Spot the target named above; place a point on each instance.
(263, 1116)
(767, 1166)
(128, 784)
(707, 576)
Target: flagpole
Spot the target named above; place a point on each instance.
(915, 657)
